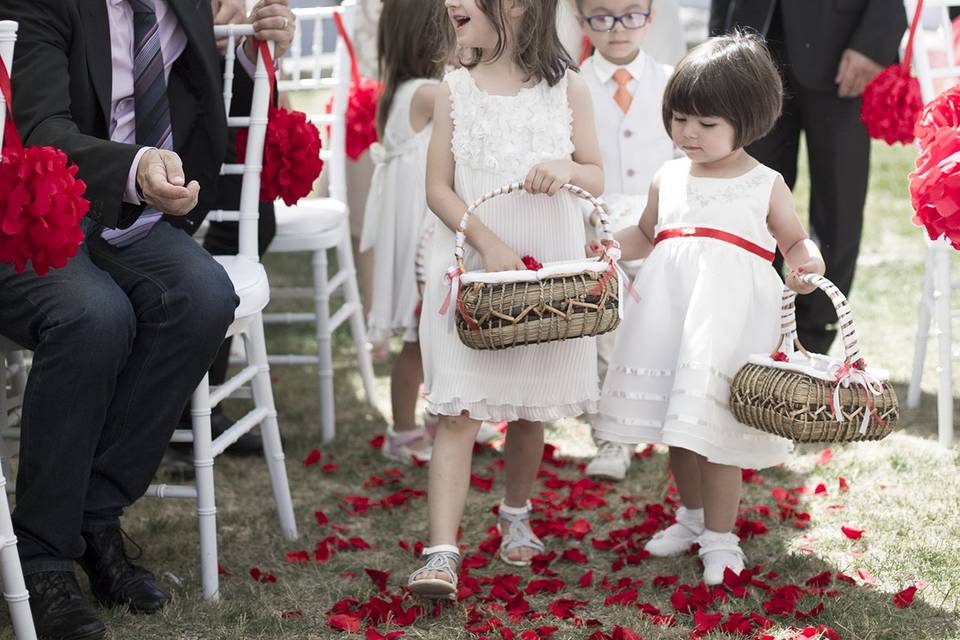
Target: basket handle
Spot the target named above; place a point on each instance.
(789, 339)
(599, 206)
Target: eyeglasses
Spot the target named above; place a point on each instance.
(603, 23)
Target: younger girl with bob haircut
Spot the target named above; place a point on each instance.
(710, 296)
(515, 111)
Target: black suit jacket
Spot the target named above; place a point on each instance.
(817, 31)
(62, 80)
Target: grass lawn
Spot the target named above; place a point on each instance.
(904, 494)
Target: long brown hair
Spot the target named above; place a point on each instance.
(537, 50)
(413, 41)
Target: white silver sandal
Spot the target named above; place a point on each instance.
(439, 558)
(396, 446)
(518, 536)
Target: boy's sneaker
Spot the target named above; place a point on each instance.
(678, 537)
(719, 552)
(611, 462)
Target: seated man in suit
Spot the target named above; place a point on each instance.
(131, 90)
(828, 51)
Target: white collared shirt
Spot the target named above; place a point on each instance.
(634, 144)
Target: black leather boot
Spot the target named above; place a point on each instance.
(60, 610)
(115, 580)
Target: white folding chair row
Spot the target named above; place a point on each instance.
(14, 587)
(935, 302)
(250, 282)
(319, 225)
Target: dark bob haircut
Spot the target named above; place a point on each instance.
(731, 77)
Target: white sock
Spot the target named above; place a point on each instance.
(690, 517)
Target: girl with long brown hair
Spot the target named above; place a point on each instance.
(517, 110)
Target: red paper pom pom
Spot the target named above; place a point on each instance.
(361, 116)
(531, 263)
(935, 185)
(891, 105)
(41, 205)
(942, 111)
(291, 156)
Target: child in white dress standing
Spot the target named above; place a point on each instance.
(627, 89)
(514, 111)
(709, 295)
(412, 48)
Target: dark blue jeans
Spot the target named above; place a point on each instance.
(121, 338)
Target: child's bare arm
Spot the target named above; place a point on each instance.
(800, 253)
(423, 104)
(585, 169)
(444, 201)
(637, 242)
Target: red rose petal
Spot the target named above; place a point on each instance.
(312, 458)
(904, 598)
(483, 484)
(344, 622)
(850, 532)
(825, 456)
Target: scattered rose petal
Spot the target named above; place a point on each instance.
(312, 458)
(904, 598)
(850, 532)
(825, 456)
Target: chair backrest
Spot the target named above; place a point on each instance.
(256, 124)
(318, 62)
(8, 37)
(936, 67)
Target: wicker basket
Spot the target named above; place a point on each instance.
(560, 301)
(810, 397)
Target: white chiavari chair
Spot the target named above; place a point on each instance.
(250, 281)
(321, 225)
(12, 383)
(935, 303)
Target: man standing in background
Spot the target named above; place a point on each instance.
(828, 51)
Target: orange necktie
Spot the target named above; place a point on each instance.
(622, 96)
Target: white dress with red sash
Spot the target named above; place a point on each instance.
(709, 298)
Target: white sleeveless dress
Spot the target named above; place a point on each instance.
(396, 218)
(705, 306)
(496, 140)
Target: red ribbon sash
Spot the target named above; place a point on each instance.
(716, 234)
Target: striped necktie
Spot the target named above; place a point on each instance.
(151, 108)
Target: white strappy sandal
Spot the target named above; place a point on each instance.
(518, 536)
(396, 446)
(439, 558)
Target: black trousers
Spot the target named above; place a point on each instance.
(838, 153)
(121, 338)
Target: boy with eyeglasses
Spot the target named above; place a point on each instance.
(627, 88)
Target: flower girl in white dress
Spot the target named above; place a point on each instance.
(514, 110)
(413, 47)
(709, 295)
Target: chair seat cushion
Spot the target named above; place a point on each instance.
(309, 217)
(250, 282)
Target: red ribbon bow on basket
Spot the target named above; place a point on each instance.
(41, 200)
(857, 373)
(361, 116)
(891, 101)
(291, 148)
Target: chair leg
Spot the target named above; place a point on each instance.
(4, 415)
(945, 360)
(321, 299)
(923, 333)
(206, 498)
(256, 349)
(14, 588)
(358, 327)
